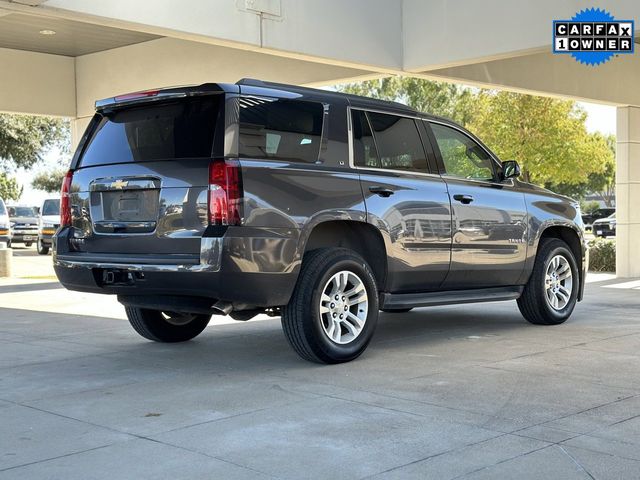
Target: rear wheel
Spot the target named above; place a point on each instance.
(169, 327)
(552, 291)
(333, 312)
(42, 249)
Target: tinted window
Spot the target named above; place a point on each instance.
(164, 131)
(364, 148)
(51, 207)
(280, 129)
(462, 156)
(398, 142)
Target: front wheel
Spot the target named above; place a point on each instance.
(333, 311)
(42, 248)
(168, 327)
(552, 290)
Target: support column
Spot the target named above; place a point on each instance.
(628, 192)
(78, 126)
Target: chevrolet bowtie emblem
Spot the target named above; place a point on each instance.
(119, 184)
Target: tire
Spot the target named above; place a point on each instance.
(534, 303)
(166, 327)
(396, 310)
(42, 250)
(315, 336)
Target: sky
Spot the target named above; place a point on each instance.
(600, 118)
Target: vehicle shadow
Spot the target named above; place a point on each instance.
(252, 346)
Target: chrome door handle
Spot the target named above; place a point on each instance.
(466, 199)
(382, 191)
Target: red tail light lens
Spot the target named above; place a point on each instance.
(65, 200)
(225, 193)
(136, 95)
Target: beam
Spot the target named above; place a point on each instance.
(614, 82)
(37, 83)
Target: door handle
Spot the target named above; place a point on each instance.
(382, 191)
(466, 199)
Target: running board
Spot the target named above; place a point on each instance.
(393, 301)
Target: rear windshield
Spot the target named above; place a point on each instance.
(162, 131)
(51, 207)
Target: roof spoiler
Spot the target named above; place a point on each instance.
(158, 94)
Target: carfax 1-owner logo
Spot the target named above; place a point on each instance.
(593, 36)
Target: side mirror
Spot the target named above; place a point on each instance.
(510, 169)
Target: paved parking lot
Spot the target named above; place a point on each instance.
(451, 392)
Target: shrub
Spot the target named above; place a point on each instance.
(602, 255)
(589, 207)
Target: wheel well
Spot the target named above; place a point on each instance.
(360, 237)
(570, 237)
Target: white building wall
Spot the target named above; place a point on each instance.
(357, 32)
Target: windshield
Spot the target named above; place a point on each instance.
(3, 211)
(51, 207)
(21, 212)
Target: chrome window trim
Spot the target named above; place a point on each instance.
(444, 178)
(373, 169)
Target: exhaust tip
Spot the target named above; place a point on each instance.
(222, 308)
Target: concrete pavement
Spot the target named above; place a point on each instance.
(469, 391)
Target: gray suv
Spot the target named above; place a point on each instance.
(316, 206)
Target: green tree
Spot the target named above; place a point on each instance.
(49, 181)
(437, 98)
(601, 182)
(604, 183)
(9, 187)
(548, 137)
(25, 138)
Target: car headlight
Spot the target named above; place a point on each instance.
(11, 224)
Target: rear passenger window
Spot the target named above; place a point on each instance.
(280, 129)
(397, 142)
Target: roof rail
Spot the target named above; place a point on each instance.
(254, 82)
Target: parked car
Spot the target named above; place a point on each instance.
(605, 227)
(48, 223)
(24, 224)
(589, 218)
(5, 228)
(320, 207)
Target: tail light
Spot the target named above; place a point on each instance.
(65, 200)
(225, 192)
(137, 95)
